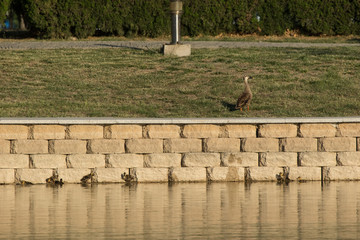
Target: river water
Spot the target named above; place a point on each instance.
(181, 211)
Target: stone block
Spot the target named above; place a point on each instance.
(349, 129)
(222, 145)
(262, 173)
(69, 147)
(179, 50)
(317, 159)
(279, 159)
(305, 173)
(87, 160)
(299, 144)
(73, 175)
(163, 131)
(240, 159)
(341, 173)
(182, 145)
(337, 144)
(348, 158)
(126, 160)
(225, 174)
(277, 130)
(7, 176)
(317, 130)
(49, 132)
(241, 131)
(152, 174)
(35, 176)
(144, 146)
(188, 174)
(86, 132)
(14, 161)
(201, 160)
(107, 146)
(126, 131)
(260, 145)
(162, 160)
(4, 146)
(31, 146)
(110, 175)
(13, 132)
(201, 131)
(48, 161)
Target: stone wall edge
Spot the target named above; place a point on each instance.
(106, 121)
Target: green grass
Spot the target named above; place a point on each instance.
(123, 82)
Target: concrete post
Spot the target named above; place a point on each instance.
(175, 47)
(176, 10)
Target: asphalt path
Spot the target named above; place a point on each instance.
(23, 45)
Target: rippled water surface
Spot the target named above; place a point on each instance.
(182, 211)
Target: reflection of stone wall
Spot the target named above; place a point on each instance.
(181, 211)
(179, 151)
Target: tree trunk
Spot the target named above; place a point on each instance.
(22, 22)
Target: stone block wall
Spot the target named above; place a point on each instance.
(178, 152)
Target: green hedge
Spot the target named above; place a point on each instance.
(209, 17)
(330, 17)
(150, 18)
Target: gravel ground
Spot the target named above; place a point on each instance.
(23, 45)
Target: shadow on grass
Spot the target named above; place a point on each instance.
(15, 34)
(146, 49)
(326, 51)
(354, 40)
(229, 106)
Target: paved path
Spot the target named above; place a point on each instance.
(158, 44)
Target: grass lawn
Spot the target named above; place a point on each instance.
(122, 82)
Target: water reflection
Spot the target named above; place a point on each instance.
(182, 211)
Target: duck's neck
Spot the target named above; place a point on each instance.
(247, 86)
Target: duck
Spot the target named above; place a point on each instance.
(282, 178)
(60, 182)
(87, 178)
(300, 180)
(24, 183)
(53, 180)
(279, 177)
(245, 98)
(50, 180)
(127, 177)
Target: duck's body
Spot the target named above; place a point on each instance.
(24, 183)
(54, 181)
(60, 182)
(127, 177)
(87, 178)
(282, 178)
(50, 180)
(245, 98)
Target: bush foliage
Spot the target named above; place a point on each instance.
(4, 6)
(151, 18)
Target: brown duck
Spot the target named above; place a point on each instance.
(245, 98)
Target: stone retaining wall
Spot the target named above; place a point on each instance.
(178, 151)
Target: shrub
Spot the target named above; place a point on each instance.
(211, 17)
(151, 18)
(330, 17)
(274, 17)
(4, 7)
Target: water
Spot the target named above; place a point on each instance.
(181, 211)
